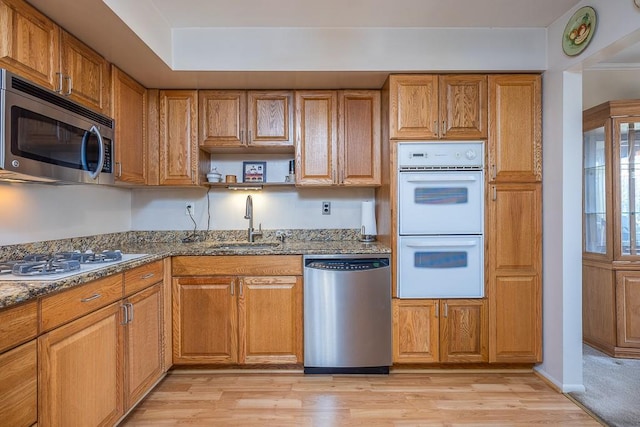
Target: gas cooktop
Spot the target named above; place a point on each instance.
(60, 265)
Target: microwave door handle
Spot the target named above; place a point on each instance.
(441, 244)
(444, 179)
(83, 152)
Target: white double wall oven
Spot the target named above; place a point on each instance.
(440, 219)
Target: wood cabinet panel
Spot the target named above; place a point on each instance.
(29, 43)
(270, 319)
(599, 307)
(143, 343)
(87, 74)
(270, 118)
(18, 324)
(628, 308)
(222, 117)
(464, 331)
(205, 320)
(129, 112)
(463, 106)
(81, 371)
(415, 331)
(413, 106)
(179, 163)
(515, 128)
(316, 137)
(359, 147)
(60, 308)
(136, 279)
(236, 265)
(19, 386)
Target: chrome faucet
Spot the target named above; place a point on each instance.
(248, 214)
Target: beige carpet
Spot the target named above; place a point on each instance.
(612, 388)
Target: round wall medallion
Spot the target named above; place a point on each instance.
(579, 31)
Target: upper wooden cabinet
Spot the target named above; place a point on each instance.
(338, 138)
(178, 124)
(428, 106)
(246, 119)
(515, 128)
(29, 43)
(129, 111)
(35, 47)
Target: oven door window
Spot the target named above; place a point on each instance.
(47, 140)
(441, 259)
(441, 196)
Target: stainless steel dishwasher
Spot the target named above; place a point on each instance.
(347, 314)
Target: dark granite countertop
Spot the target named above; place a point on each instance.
(15, 292)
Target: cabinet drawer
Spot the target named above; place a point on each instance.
(245, 265)
(18, 386)
(68, 305)
(18, 324)
(141, 277)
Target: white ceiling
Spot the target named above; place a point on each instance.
(94, 22)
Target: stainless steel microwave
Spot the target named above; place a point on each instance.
(46, 137)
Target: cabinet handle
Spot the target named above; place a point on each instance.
(249, 140)
(233, 287)
(119, 173)
(241, 136)
(148, 276)
(125, 314)
(493, 172)
(91, 298)
(69, 85)
(437, 310)
(130, 309)
(59, 89)
(444, 128)
(435, 128)
(446, 309)
(495, 193)
(241, 282)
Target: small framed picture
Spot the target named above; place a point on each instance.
(254, 171)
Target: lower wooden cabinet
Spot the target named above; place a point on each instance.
(227, 318)
(81, 371)
(19, 386)
(142, 343)
(445, 331)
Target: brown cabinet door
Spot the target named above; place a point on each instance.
(270, 319)
(415, 331)
(270, 118)
(129, 112)
(515, 128)
(463, 106)
(85, 74)
(359, 138)
(316, 137)
(222, 118)
(19, 386)
(205, 318)
(628, 308)
(81, 371)
(463, 331)
(143, 343)
(30, 43)
(178, 137)
(413, 106)
(515, 269)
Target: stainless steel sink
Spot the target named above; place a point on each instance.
(244, 245)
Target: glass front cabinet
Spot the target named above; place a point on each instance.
(611, 228)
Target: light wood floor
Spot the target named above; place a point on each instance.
(399, 399)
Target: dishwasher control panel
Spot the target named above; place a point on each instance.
(347, 264)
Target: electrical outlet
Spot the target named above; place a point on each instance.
(326, 208)
(190, 208)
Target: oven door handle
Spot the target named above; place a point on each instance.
(444, 244)
(444, 179)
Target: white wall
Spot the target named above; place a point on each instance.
(34, 212)
(287, 208)
(605, 85)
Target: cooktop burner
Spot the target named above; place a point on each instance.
(60, 264)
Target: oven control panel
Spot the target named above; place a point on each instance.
(441, 155)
